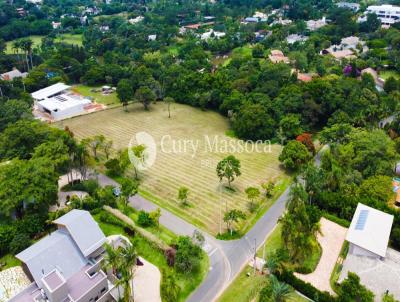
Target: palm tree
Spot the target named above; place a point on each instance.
(16, 45)
(280, 291)
(129, 257)
(126, 280)
(112, 261)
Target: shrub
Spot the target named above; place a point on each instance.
(113, 167)
(144, 219)
(129, 231)
(6, 236)
(340, 221)
(111, 219)
(188, 255)
(20, 242)
(305, 288)
(32, 224)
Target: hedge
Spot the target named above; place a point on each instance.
(340, 221)
(305, 288)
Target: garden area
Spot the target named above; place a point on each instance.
(96, 94)
(187, 282)
(194, 170)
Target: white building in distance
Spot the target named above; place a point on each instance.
(355, 7)
(212, 35)
(316, 24)
(388, 14)
(59, 103)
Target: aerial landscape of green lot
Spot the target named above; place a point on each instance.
(193, 169)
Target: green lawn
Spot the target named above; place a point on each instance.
(37, 41)
(98, 97)
(385, 74)
(8, 261)
(247, 285)
(70, 39)
(194, 170)
(152, 254)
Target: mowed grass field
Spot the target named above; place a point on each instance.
(194, 170)
(37, 41)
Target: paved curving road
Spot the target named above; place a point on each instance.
(227, 258)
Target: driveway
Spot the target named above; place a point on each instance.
(146, 282)
(331, 241)
(377, 275)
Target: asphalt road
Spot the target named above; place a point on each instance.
(227, 258)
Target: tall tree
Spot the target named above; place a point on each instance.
(228, 168)
(124, 92)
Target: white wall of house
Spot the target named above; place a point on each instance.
(359, 251)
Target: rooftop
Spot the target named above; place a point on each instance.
(55, 251)
(50, 91)
(370, 229)
(63, 102)
(83, 229)
(10, 75)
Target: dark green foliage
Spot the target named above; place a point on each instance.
(305, 288)
(7, 233)
(351, 290)
(20, 242)
(187, 258)
(144, 219)
(294, 155)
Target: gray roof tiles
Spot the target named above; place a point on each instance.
(83, 229)
(55, 251)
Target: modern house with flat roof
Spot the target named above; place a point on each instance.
(369, 232)
(57, 102)
(65, 265)
(388, 14)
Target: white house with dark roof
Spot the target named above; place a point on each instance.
(65, 265)
(369, 232)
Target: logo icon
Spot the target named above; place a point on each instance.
(142, 158)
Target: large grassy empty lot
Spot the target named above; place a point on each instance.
(75, 39)
(195, 171)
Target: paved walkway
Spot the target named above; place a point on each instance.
(331, 241)
(146, 283)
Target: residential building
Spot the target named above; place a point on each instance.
(347, 49)
(50, 91)
(104, 28)
(36, 2)
(11, 75)
(66, 265)
(281, 21)
(388, 14)
(313, 25)
(136, 20)
(152, 37)
(211, 34)
(55, 25)
(57, 102)
(277, 56)
(369, 232)
(355, 7)
(21, 11)
(291, 39)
